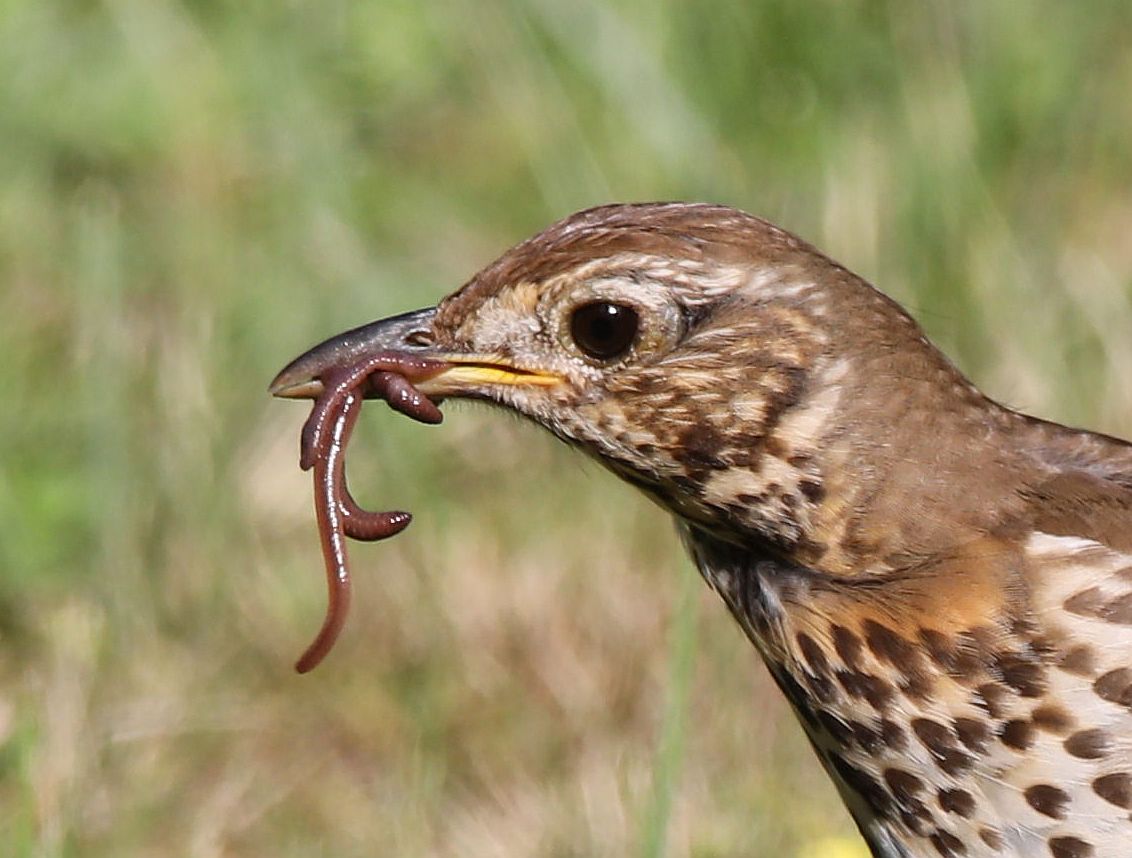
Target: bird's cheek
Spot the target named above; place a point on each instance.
(500, 327)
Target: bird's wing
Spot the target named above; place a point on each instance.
(1077, 767)
(1058, 775)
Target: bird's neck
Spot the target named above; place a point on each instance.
(908, 472)
(876, 463)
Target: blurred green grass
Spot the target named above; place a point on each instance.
(193, 192)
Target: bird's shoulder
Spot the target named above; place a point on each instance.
(1074, 530)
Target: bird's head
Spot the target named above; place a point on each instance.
(700, 353)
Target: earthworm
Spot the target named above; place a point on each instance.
(323, 448)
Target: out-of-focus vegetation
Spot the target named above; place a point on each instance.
(193, 192)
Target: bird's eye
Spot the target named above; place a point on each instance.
(604, 331)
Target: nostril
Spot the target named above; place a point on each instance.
(418, 338)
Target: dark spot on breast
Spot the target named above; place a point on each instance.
(1091, 603)
(1017, 734)
(972, 655)
(1079, 661)
(1088, 744)
(1115, 686)
(1087, 603)
(974, 734)
(1052, 718)
(866, 738)
(918, 821)
(848, 646)
(1024, 675)
(1115, 789)
(812, 490)
(917, 686)
(888, 646)
(875, 795)
(1119, 610)
(865, 686)
(981, 640)
(940, 742)
(991, 697)
(813, 654)
(932, 734)
(1069, 847)
(1048, 800)
(968, 668)
(852, 682)
(893, 734)
(941, 649)
(947, 844)
(957, 801)
(905, 786)
(823, 689)
(990, 837)
(878, 693)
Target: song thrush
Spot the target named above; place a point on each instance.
(940, 585)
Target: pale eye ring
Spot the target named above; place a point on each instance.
(604, 330)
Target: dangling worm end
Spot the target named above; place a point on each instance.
(323, 441)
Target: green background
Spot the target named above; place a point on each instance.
(193, 192)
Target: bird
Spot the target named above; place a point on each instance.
(939, 584)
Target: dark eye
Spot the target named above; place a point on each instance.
(604, 331)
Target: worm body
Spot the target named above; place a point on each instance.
(323, 444)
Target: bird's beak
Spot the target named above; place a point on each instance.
(443, 372)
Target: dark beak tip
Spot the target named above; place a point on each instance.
(299, 379)
(295, 381)
(295, 390)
